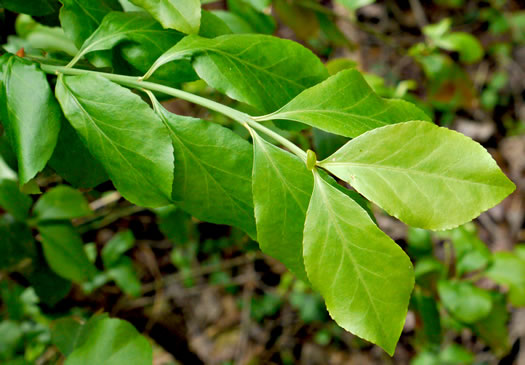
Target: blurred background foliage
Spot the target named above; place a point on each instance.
(203, 293)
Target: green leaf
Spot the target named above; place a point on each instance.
(471, 253)
(112, 342)
(64, 334)
(125, 276)
(509, 270)
(72, 160)
(64, 251)
(344, 104)
(493, 328)
(235, 65)
(182, 15)
(61, 203)
(16, 242)
(212, 26)
(469, 48)
(123, 134)
(234, 22)
(258, 20)
(12, 200)
(80, 18)
(364, 276)
(31, 7)
(355, 4)
(30, 115)
(427, 176)
(213, 178)
(464, 301)
(116, 247)
(282, 187)
(49, 287)
(42, 38)
(135, 27)
(427, 310)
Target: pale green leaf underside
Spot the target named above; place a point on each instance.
(345, 104)
(213, 174)
(124, 134)
(365, 277)
(235, 65)
(182, 15)
(282, 187)
(427, 176)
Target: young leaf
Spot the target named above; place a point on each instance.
(235, 65)
(508, 270)
(30, 115)
(80, 18)
(72, 161)
(123, 273)
(64, 251)
(282, 187)
(464, 301)
(427, 176)
(182, 15)
(111, 342)
(364, 276)
(123, 134)
(469, 48)
(213, 178)
(116, 247)
(61, 203)
(344, 104)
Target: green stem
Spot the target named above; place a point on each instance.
(134, 82)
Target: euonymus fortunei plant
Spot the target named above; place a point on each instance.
(104, 120)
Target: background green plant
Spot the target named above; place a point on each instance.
(326, 234)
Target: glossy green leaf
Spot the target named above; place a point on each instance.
(123, 134)
(61, 203)
(234, 65)
(80, 18)
(364, 276)
(427, 176)
(282, 187)
(465, 301)
(344, 104)
(213, 174)
(72, 160)
(116, 247)
(64, 251)
(12, 200)
(16, 242)
(508, 270)
(32, 7)
(30, 115)
(182, 15)
(112, 342)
